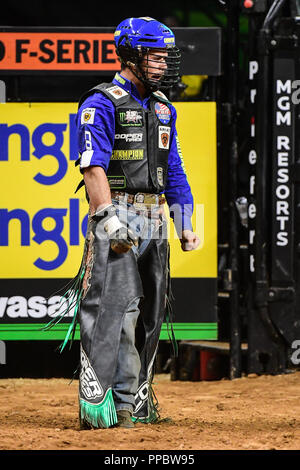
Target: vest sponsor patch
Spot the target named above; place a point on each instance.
(130, 137)
(117, 92)
(88, 116)
(117, 182)
(130, 117)
(137, 154)
(160, 175)
(89, 384)
(164, 137)
(162, 112)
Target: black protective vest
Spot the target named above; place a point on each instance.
(139, 161)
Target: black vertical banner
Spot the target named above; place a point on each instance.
(283, 156)
(252, 160)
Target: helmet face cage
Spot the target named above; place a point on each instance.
(157, 68)
(160, 67)
(148, 48)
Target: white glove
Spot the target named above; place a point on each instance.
(121, 237)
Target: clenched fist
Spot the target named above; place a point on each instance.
(189, 240)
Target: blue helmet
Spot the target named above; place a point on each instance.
(148, 48)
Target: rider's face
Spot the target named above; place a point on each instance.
(154, 64)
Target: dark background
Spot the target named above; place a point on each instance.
(97, 13)
(92, 13)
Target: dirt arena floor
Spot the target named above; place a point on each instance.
(253, 412)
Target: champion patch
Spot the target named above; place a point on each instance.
(117, 91)
(88, 116)
(136, 154)
(164, 137)
(163, 113)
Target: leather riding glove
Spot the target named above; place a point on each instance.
(121, 237)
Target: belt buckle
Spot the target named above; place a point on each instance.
(144, 200)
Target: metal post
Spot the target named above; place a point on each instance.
(2, 352)
(232, 87)
(2, 92)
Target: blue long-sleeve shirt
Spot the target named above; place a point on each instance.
(95, 122)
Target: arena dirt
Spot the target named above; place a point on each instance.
(253, 412)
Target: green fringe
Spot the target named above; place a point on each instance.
(169, 322)
(102, 415)
(72, 327)
(169, 310)
(71, 299)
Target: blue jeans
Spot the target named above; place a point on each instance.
(128, 364)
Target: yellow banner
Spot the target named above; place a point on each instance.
(42, 221)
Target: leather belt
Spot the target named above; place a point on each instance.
(139, 199)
